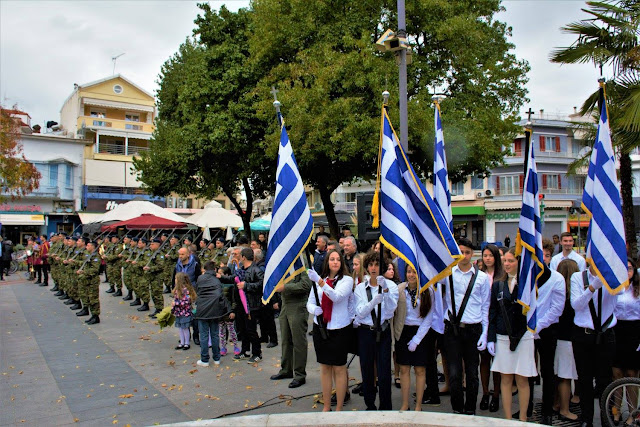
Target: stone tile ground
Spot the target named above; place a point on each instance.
(55, 370)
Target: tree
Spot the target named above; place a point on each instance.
(208, 136)
(322, 57)
(18, 177)
(610, 37)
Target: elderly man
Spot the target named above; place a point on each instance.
(350, 250)
(322, 242)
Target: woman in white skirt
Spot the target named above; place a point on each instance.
(507, 324)
(565, 364)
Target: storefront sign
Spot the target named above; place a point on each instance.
(497, 216)
(102, 205)
(20, 208)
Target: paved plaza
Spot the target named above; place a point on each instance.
(55, 370)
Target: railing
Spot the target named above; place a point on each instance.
(135, 149)
(107, 148)
(563, 154)
(106, 122)
(345, 206)
(517, 192)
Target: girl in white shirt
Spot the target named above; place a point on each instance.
(333, 311)
(411, 323)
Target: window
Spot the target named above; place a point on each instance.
(517, 147)
(132, 117)
(477, 183)
(53, 175)
(551, 182)
(99, 114)
(457, 188)
(509, 184)
(117, 89)
(550, 143)
(68, 179)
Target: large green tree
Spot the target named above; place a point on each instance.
(208, 136)
(610, 38)
(322, 57)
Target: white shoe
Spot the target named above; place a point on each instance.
(216, 362)
(201, 363)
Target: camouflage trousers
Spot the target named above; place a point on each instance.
(114, 273)
(92, 295)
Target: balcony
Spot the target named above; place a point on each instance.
(125, 149)
(546, 191)
(114, 124)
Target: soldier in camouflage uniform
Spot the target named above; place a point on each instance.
(70, 266)
(113, 265)
(106, 249)
(89, 278)
(152, 275)
(204, 254)
(138, 261)
(80, 296)
(62, 268)
(170, 260)
(56, 246)
(125, 259)
(220, 253)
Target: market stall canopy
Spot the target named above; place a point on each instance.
(215, 216)
(145, 221)
(261, 224)
(134, 209)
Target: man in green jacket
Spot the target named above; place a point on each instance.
(89, 277)
(293, 329)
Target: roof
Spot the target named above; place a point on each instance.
(97, 82)
(13, 111)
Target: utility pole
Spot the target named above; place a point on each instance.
(402, 80)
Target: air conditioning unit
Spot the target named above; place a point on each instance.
(480, 195)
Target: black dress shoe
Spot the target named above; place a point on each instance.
(494, 406)
(93, 320)
(281, 376)
(83, 312)
(135, 302)
(297, 383)
(272, 344)
(37, 282)
(110, 290)
(547, 420)
(143, 307)
(117, 293)
(484, 403)
(586, 424)
(76, 306)
(55, 288)
(334, 398)
(196, 340)
(129, 297)
(357, 389)
(433, 401)
(43, 284)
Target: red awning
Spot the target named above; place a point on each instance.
(583, 223)
(145, 221)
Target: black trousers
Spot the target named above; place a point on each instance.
(248, 327)
(43, 271)
(3, 265)
(546, 348)
(593, 360)
(457, 349)
(268, 331)
(432, 339)
(369, 350)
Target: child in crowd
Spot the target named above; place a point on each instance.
(183, 298)
(227, 324)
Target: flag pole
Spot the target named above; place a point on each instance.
(527, 146)
(385, 105)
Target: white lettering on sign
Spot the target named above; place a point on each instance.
(111, 205)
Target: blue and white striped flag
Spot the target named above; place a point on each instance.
(529, 241)
(441, 193)
(411, 224)
(291, 221)
(606, 244)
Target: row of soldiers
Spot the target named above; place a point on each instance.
(140, 265)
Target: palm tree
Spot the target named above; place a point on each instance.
(610, 38)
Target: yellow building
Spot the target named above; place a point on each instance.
(118, 116)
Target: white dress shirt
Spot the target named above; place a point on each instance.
(551, 298)
(582, 264)
(477, 310)
(340, 317)
(413, 315)
(580, 298)
(627, 306)
(363, 308)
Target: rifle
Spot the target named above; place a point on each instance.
(132, 252)
(160, 247)
(116, 245)
(140, 253)
(86, 260)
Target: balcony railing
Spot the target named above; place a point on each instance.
(517, 192)
(107, 148)
(109, 123)
(563, 154)
(135, 149)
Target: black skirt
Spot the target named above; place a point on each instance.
(406, 357)
(627, 341)
(333, 350)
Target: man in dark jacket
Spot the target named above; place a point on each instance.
(248, 279)
(6, 250)
(319, 255)
(211, 306)
(189, 264)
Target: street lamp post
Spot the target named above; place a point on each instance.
(402, 80)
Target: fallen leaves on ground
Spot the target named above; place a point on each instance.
(193, 371)
(125, 396)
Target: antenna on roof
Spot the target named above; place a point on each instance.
(114, 59)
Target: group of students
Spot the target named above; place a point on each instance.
(474, 320)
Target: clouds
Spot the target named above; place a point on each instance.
(46, 47)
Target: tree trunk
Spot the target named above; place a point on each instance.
(626, 188)
(246, 216)
(330, 213)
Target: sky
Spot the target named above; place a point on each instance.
(47, 46)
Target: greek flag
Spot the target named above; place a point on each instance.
(529, 241)
(606, 244)
(291, 221)
(441, 193)
(411, 224)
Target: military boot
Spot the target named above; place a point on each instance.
(129, 296)
(93, 320)
(55, 288)
(111, 289)
(83, 312)
(59, 293)
(155, 314)
(76, 306)
(64, 296)
(117, 293)
(135, 302)
(70, 301)
(166, 290)
(143, 307)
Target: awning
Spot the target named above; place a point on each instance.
(86, 218)
(582, 223)
(121, 133)
(119, 105)
(21, 219)
(467, 210)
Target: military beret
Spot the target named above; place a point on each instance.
(145, 241)
(220, 239)
(62, 233)
(206, 241)
(165, 234)
(156, 240)
(135, 239)
(93, 242)
(74, 238)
